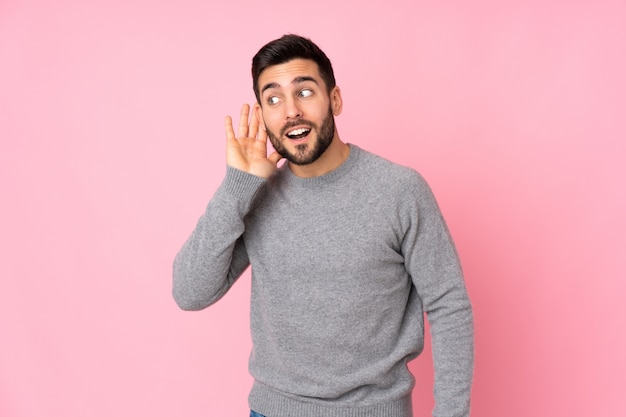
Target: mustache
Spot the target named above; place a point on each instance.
(294, 123)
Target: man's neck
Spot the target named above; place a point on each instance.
(335, 155)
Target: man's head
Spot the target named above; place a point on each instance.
(297, 99)
(287, 48)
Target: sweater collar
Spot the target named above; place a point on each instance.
(325, 179)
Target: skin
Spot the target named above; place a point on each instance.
(293, 95)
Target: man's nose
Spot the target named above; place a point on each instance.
(292, 109)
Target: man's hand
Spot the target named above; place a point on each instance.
(248, 151)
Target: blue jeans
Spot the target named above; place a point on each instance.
(255, 414)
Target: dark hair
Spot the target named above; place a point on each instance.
(285, 49)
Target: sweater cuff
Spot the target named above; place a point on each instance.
(241, 185)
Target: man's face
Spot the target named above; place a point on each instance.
(297, 111)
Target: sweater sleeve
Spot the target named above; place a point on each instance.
(214, 256)
(434, 266)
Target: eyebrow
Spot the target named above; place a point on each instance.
(297, 80)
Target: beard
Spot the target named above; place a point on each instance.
(305, 153)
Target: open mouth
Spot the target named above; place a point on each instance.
(298, 133)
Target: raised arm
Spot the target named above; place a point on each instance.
(214, 256)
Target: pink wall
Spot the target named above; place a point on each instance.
(111, 144)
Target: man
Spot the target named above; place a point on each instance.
(347, 252)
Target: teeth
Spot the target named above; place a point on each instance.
(298, 132)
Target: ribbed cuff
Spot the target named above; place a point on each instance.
(240, 187)
(241, 184)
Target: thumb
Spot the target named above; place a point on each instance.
(275, 157)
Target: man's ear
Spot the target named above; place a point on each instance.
(336, 102)
(258, 112)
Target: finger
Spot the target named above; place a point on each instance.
(254, 126)
(261, 130)
(243, 121)
(275, 157)
(262, 134)
(228, 124)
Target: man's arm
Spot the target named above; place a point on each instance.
(214, 256)
(433, 263)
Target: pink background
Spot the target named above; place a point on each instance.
(112, 143)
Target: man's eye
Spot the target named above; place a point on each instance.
(273, 100)
(306, 93)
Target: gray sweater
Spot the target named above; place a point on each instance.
(343, 268)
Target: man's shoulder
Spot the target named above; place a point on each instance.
(387, 170)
